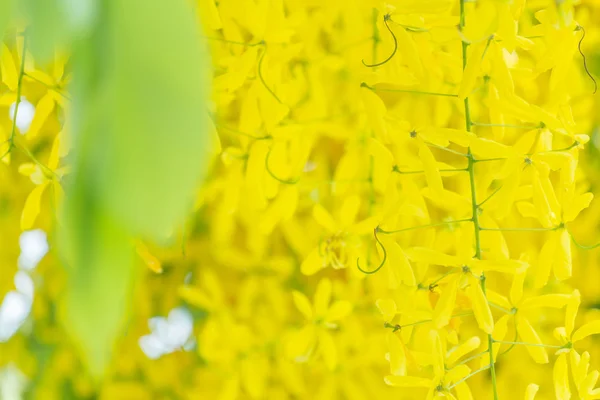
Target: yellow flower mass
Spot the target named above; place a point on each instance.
(399, 204)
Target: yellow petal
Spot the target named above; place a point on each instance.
(150, 260)
(328, 349)
(407, 381)
(545, 261)
(302, 304)
(460, 137)
(397, 356)
(553, 300)
(27, 169)
(571, 312)
(43, 109)
(382, 163)
(32, 207)
(455, 354)
(529, 335)
(591, 328)
(531, 391)
(376, 111)
(432, 173)
(338, 310)
(348, 211)
(313, 263)
(560, 375)
(480, 306)
(446, 303)
(322, 297)
(429, 256)
(541, 200)
(506, 266)
(8, 69)
(322, 216)
(500, 330)
(438, 354)
(485, 148)
(578, 204)
(398, 261)
(387, 307)
(563, 264)
(472, 69)
(516, 288)
(207, 10)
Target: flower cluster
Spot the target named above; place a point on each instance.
(394, 210)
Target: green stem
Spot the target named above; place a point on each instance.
(504, 310)
(481, 228)
(408, 91)
(423, 226)
(398, 171)
(548, 346)
(506, 125)
(474, 206)
(13, 131)
(466, 360)
(470, 375)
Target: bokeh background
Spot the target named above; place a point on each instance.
(212, 151)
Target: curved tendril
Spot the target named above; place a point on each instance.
(382, 261)
(386, 18)
(587, 71)
(582, 246)
(268, 168)
(261, 77)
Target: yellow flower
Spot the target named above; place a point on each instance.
(43, 176)
(321, 317)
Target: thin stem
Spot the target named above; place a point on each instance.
(435, 146)
(456, 221)
(423, 321)
(481, 228)
(491, 366)
(489, 159)
(549, 346)
(489, 197)
(29, 154)
(398, 171)
(55, 88)
(474, 206)
(408, 91)
(13, 131)
(496, 306)
(434, 283)
(262, 78)
(574, 144)
(512, 346)
(466, 360)
(505, 125)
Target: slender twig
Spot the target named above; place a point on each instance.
(13, 131)
(456, 221)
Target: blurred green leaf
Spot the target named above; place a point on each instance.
(158, 136)
(48, 28)
(6, 9)
(140, 135)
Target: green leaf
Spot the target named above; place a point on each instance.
(47, 28)
(158, 134)
(140, 137)
(6, 9)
